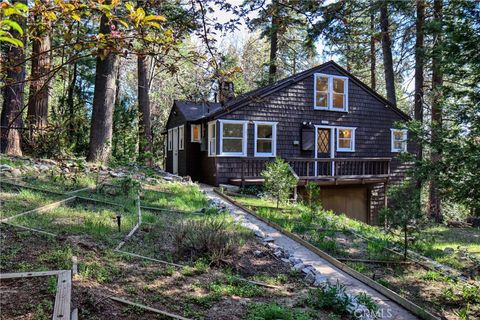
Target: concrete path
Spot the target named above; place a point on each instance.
(388, 308)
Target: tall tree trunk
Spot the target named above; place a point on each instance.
(387, 53)
(145, 127)
(13, 93)
(71, 103)
(373, 55)
(419, 66)
(103, 103)
(37, 113)
(272, 70)
(437, 83)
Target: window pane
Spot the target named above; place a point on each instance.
(338, 101)
(233, 130)
(345, 143)
(196, 133)
(338, 85)
(398, 135)
(399, 145)
(322, 99)
(264, 131)
(232, 145)
(345, 133)
(264, 146)
(322, 84)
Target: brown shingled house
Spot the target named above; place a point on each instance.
(331, 128)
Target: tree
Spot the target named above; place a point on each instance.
(145, 127)
(419, 66)
(387, 53)
(279, 180)
(437, 84)
(37, 113)
(103, 101)
(403, 214)
(13, 92)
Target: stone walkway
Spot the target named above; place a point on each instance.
(388, 308)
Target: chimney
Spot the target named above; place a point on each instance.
(225, 91)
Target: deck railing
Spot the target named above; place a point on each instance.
(311, 168)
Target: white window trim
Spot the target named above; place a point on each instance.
(170, 140)
(337, 133)
(244, 139)
(212, 153)
(181, 137)
(330, 78)
(392, 140)
(274, 139)
(199, 131)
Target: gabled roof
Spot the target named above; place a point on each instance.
(243, 99)
(193, 111)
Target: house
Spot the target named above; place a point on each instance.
(331, 128)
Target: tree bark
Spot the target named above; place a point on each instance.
(435, 209)
(387, 53)
(145, 127)
(103, 104)
(373, 55)
(37, 113)
(272, 70)
(71, 103)
(13, 96)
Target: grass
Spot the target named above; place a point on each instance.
(99, 222)
(274, 311)
(13, 202)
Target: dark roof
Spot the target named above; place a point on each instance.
(241, 100)
(193, 111)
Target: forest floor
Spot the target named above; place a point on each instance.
(177, 276)
(365, 249)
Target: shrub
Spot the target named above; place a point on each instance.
(212, 238)
(279, 181)
(329, 297)
(273, 311)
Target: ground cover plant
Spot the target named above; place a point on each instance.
(353, 241)
(15, 200)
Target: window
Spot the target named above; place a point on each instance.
(181, 137)
(196, 133)
(233, 138)
(212, 138)
(169, 138)
(331, 92)
(399, 140)
(265, 139)
(345, 139)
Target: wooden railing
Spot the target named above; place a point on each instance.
(310, 168)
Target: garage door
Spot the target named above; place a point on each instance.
(350, 201)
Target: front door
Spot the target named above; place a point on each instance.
(175, 151)
(324, 149)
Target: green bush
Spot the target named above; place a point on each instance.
(279, 181)
(273, 311)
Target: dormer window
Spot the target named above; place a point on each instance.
(331, 92)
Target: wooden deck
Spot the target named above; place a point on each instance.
(328, 171)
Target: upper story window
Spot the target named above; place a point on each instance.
(265, 143)
(399, 140)
(169, 139)
(196, 133)
(331, 92)
(233, 138)
(181, 137)
(212, 138)
(345, 139)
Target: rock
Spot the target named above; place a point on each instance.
(167, 178)
(310, 278)
(117, 174)
(16, 172)
(269, 239)
(306, 270)
(285, 260)
(5, 167)
(257, 253)
(320, 281)
(278, 253)
(448, 250)
(48, 161)
(298, 267)
(260, 234)
(295, 260)
(42, 167)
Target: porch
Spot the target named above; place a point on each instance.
(323, 171)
